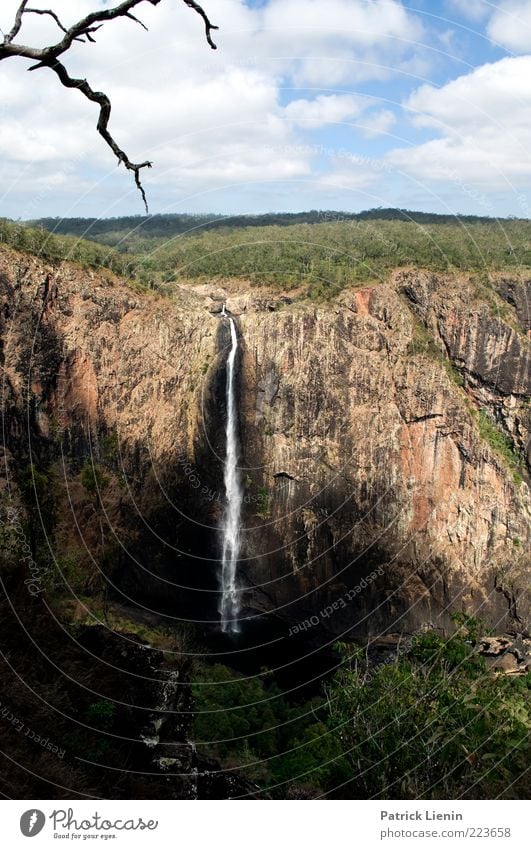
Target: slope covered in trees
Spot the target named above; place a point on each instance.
(324, 258)
(122, 230)
(317, 256)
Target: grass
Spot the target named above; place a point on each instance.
(423, 343)
(500, 443)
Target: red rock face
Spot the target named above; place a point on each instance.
(385, 464)
(361, 451)
(78, 389)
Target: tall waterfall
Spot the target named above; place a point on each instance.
(229, 606)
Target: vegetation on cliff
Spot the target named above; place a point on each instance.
(431, 721)
(326, 257)
(434, 722)
(39, 242)
(322, 255)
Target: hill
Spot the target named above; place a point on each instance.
(122, 230)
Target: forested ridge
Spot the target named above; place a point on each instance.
(172, 224)
(318, 253)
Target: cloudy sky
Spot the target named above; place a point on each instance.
(329, 104)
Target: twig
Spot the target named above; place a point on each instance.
(103, 121)
(208, 26)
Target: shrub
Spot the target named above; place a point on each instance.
(500, 443)
(247, 723)
(93, 479)
(432, 724)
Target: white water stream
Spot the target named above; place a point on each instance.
(230, 606)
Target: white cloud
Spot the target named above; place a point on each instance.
(349, 179)
(206, 118)
(496, 94)
(377, 123)
(325, 109)
(485, 121)
(474, 10)
(333, 41)
(349, 21)
(510, 25)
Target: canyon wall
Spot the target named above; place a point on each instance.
(362, 427)
(381, 434)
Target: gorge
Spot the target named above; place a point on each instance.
(355, 469)
(361, 442)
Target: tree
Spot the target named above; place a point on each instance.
(433, 722)
(84, 30)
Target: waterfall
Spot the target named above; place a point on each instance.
(229, 606)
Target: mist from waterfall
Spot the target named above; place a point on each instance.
(229, 607)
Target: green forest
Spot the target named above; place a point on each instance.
(430, 721)
(318, 255)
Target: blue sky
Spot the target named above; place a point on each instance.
(343, 104)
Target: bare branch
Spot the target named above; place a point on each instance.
(86, 24)
(46, 12)
(51, 14)
(103, 121)
(7, 49)
(18, 23)
(132, 17)
(83, 30)
(208, 26)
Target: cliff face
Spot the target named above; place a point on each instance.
(378, 497)
(371, 457)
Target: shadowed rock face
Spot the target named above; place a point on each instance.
(372, 502)
(370, 457)
(53, 679)
(518, 295)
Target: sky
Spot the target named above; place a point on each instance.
(306, 104)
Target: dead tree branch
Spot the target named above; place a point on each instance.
(208, 26)
(84, 30)
(47, 12)
(18, 22)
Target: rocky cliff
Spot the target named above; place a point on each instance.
(384, 440)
